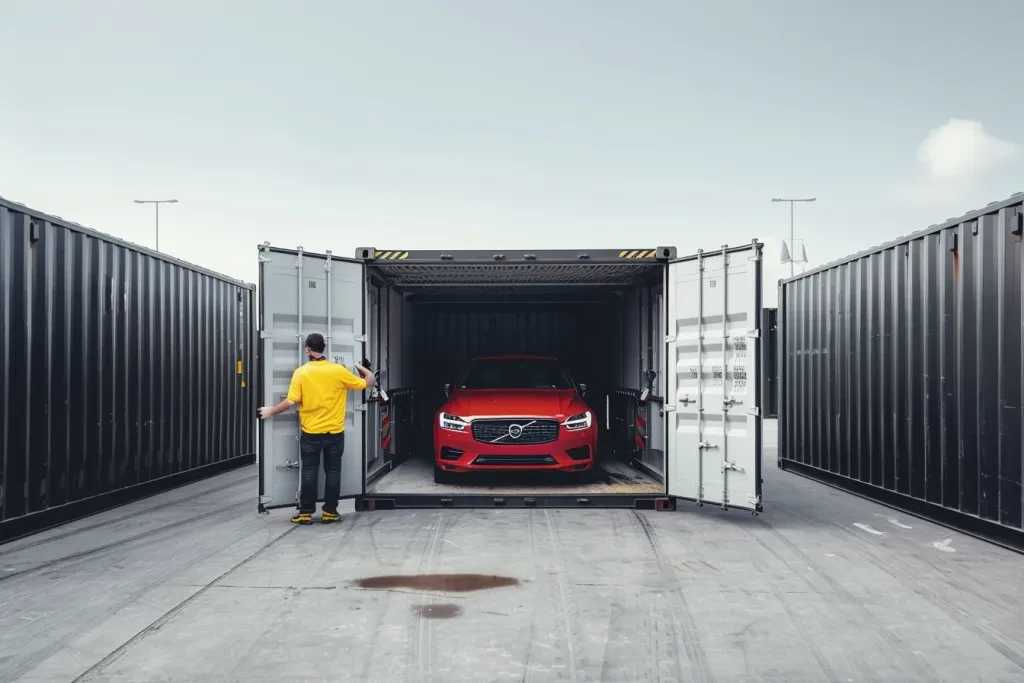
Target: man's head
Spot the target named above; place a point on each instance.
(315, 345)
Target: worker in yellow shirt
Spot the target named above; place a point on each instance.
(320, 388)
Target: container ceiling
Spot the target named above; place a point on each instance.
(526, 276)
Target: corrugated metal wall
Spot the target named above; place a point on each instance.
(903, 371)
(119, 372)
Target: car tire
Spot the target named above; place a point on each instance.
(442, 477)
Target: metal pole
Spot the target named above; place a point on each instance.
(792, 244)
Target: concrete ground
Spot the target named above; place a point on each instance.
(193, 585)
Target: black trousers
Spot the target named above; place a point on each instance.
(331, 446)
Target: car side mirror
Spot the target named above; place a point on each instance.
(583, 389)
(447, 389)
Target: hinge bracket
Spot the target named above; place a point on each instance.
(669, 338)
(265, 256)
(756, 412)
(669, 409)
(360, 338)
(289, 465)
(266, 335)
(754, 334)
(361, 407)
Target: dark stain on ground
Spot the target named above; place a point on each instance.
(451, 583)
(442, 611)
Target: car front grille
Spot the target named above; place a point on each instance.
(498, 431)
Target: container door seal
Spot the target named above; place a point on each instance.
(302, 293)
(714, 426)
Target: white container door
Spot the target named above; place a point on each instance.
(713, 401)
(302, 293)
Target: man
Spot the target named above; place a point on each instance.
(321, 390)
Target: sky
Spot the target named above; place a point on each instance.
(465, 124)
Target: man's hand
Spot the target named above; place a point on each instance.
(367, 375)
(267, 411)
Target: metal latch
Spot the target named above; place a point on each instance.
(728, 403)
(686, 400)
(705, 445)
(289, 465)
(726, 465)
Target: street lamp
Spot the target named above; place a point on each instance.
(790, 254)
(156, 203)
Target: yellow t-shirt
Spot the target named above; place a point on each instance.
(321, 390)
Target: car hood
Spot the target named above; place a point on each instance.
(545, 403)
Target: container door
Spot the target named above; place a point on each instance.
(712, 401)
(302, 293)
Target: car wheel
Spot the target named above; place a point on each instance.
(442, 477)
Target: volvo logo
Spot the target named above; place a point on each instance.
(515, 431)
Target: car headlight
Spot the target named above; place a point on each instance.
(452, 422)
(577, 422)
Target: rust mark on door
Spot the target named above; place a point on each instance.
(450, 583)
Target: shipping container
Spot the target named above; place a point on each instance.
(770, 363)
(123, 371)
(902, 372)
(664, 349)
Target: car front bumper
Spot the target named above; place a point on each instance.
(458, 451)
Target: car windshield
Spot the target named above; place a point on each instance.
(515, 373)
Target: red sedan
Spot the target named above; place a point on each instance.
(514, 413)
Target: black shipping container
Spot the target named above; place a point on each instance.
(770, 363)
(903, 372)
(123, 372)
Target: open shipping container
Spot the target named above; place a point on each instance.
(123, 372)
(902, 372)
(620, 321)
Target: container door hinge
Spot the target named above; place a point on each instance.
(705, 445)
(754, 334)
(754, 500)
(361, 407)
(669, 338)
(289, 465)
(755, 412)
(266, 335)
(265, 256)
(266, 499)
(669, 409)
(726, 465)
(360, 338)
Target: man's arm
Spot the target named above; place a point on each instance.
(284, 405)
(294, 396)
(368, 376)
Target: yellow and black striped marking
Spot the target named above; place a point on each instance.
(391, 255)
(638, 253)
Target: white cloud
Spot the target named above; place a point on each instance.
(961, 148)
(953, 158)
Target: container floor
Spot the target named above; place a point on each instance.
(193, 585)
(416, 476)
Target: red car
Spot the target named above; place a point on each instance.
(514, 413)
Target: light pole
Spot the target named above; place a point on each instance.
(156, 203)
(792, 244)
